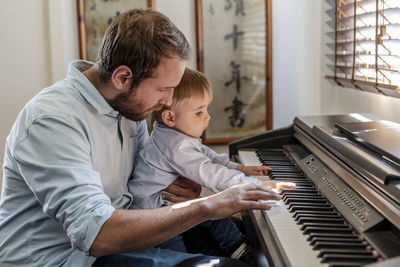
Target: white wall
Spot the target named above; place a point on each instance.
(296, 64)
(338, 100)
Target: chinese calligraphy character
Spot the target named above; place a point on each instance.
(236, 76)
(239, 7)
(211, 9)
(238, 117)
(234, 35)
(110, 19)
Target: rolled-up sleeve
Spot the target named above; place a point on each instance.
(54, 158)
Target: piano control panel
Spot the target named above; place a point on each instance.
(348, 202)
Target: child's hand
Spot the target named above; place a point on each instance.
(254, 170)
(277, 186)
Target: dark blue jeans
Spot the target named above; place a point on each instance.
(224, 234)
(155, 257)
(198, 239)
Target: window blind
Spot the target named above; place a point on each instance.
(366, 45)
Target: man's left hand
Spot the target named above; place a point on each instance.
(182, 189)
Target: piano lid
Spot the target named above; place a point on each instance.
(383, 137)
(306, 123)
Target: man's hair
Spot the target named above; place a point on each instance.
(194, 84)
(139, 39)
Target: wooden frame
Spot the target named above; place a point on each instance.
(86, 51)
(268, 66)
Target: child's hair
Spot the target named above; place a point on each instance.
(192, 85)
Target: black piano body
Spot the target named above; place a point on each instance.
(346, 208)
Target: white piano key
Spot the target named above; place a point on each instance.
(249, 158)
(291, 239)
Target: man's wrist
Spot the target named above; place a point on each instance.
(240, 167)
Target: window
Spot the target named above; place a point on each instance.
(366, 45)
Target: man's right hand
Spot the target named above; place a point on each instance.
(128, 230)
(239, 198)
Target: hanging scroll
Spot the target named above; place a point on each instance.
(234, 52)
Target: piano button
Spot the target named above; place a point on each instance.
(333, 230)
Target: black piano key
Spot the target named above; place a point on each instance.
(336, 226)
(303, 220)
(303, 190)
(300, 197)
(276, 159)
(296, 181)
(303, 200)
(297, 193)
(318, 216)
(278, 164)
(332, 239)
(304, 187)
(327, 234)
(343, 245)
(310, 212)
(292, 174)
(295, 208)
(276, 170)
(333, 230)
(345, 264)
(287, 175)
(348, 258)
(342, 251)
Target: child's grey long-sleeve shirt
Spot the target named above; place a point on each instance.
(169, 154)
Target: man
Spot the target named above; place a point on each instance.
(72, 150)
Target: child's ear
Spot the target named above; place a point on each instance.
(168, 117)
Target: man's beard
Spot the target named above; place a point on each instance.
(130, 108)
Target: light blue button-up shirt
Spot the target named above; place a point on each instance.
(169, 154)
(67, 162)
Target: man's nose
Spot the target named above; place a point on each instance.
(167, 99)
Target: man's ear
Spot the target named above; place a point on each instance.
(168, 117)
(121, 77)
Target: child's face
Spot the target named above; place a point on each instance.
(192, 116)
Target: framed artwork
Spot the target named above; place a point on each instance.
(94, 16)
(234, 51)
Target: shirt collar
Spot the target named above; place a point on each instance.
(161, 125)
(86, 88)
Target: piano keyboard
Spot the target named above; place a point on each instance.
(308, 228)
